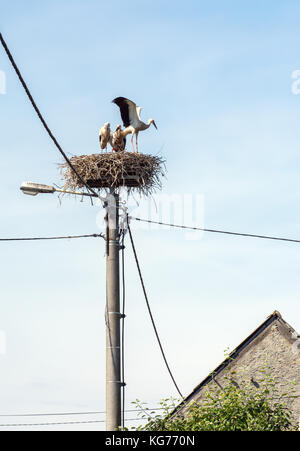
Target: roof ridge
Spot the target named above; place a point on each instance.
(277, 313)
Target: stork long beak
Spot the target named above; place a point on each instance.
(155, 125)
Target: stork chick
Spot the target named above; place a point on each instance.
(104, 135)
(118, 140)
(131, 117)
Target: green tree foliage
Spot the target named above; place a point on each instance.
(234, 407)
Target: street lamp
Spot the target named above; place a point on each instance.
(33, 189)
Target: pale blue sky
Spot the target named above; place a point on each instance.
(216, 76)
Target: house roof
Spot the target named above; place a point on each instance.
(284, 328)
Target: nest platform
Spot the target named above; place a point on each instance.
(111, 170)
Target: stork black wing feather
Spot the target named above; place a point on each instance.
(124, 109)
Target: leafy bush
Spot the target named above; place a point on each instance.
(234, 407)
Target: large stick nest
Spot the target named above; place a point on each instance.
(135, 171)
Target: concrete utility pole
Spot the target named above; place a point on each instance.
(113, 314)
(113, 317)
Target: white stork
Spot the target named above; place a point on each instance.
(104, 135)
(131, 117)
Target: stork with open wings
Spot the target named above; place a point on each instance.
(131, 117)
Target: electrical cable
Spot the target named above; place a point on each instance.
(51, 424)
(266, 237)
(94, 235)
(11, 59)
(69, 413)
(150, 312)
(24, 415)
(65, 423)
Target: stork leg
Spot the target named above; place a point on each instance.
(136, 143)
(132, 142)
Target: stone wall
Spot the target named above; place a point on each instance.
(274, 348)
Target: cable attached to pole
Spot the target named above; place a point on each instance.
(225, 232)
(150, 312)
(71, 237)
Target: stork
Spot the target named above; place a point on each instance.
(118, 140)
(131, 117)
(104, 135)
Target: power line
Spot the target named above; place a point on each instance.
(71, 237)
(24, 415)
(250, 235)
(51, 424)
(70, 413)
(10, 57)
(63, 423)
(149, 310)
